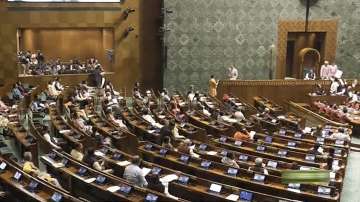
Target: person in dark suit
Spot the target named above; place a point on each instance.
(154, 183)
(96, 78)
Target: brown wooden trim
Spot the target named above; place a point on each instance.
(286, 26)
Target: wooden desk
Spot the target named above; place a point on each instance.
(92, 190)
(25, 141)
(216, 172)
(19, 188)
(330, 99)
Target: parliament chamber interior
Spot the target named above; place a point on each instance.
(179, 100)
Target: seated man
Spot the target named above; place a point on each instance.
(340, 135)
(16, 93)
(58, 85)
(259, 166)
(134, 174)
(52, 90)
(150, 119)
(229, 160)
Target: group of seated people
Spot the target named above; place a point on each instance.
(336, 112)
(30, 168)
(89, 156)
(339, 87)
(35, 64)
(19, 91)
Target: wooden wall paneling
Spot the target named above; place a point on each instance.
(127, 68)
(285, 26)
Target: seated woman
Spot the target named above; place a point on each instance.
(99, 165)
(229, 160)
(77, 152)
(30, 168)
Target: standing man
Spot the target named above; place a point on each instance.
(212, 86)
(233, 72)
(325, 70)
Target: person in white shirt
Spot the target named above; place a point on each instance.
(52, 90)
(340, 135)
(310, 75)
(118, 122)
(324, 71)
(57, 84)
(134, 174)
(229, 160)
(48, 139)
(259, 166)
(150, 119)
(332, 69)
(334, 86)
(233, 73)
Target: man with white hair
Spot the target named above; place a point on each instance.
(324, 71)
(259, 166)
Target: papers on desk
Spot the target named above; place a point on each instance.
(215, 188)
(294, 190)
(252, 134)
(281, 117)
(307, 130)
(64, 131)
(99, 153)
(123, 163)
(52, 162)
(151, 131)
(232, 197)
(145, 171)
(212, 153)
(90, 180)
(332, 175)
(113, 189)
(168, 178)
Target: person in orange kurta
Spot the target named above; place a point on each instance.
(212, 86)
